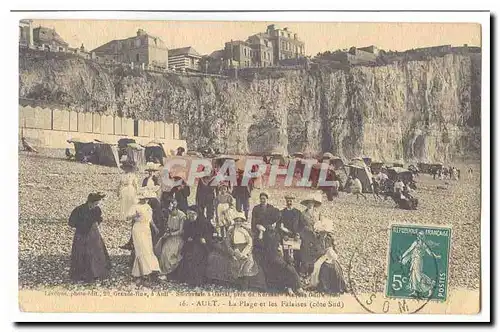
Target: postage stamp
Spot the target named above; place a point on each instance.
(418, 262)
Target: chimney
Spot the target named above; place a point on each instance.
(141, 32)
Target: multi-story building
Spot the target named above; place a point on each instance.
(184, 59)
(239, 54)
(143, 48)
(286, 44)
(263, 50)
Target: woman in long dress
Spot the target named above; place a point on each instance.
(328, 276)
(128, 188)
(311, 247)
(279, 274)
(127, 193)
(197, 243)
(170, 245)
(419, 281)
(239, 243)
(145, 263)
(89, 257)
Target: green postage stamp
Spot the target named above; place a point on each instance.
(418, 262)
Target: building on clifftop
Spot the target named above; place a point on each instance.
(143, 48)
(286, 44)
(184, 59)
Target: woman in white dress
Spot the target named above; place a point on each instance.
(127, 194)
(128, 188)
(145, 263)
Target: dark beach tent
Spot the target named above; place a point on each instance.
(135, 154)
(154, 152)
(433, 168)
(424, 167)
(122, 145)
(376, 167)
(358, 169)
(84, 150)
(404, 174)
(106, 154)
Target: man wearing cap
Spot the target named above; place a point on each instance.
(89, 256)
(242, 194)
(205, 196)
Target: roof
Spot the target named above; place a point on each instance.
(217, 54)
(143, 33)
(47, 35)
(183, 51)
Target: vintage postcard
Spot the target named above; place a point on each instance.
(249, 166)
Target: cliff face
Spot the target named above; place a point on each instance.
(421, 110)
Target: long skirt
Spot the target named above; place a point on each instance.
(331, 278)
(145, 261)
(128, 198)
(193, 265)
(220, 267)
(171, 253)
(89, 256)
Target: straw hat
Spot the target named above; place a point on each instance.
(240, 216)
(289, 197)
(316, 198)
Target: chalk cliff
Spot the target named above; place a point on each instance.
(419, 110)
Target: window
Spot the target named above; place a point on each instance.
(245, 51)
(137, 57)
(137, 42)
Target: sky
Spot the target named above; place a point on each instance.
(207, 37)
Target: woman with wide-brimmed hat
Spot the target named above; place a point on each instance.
(128, 187)
(239, 243)
(145, 263)
(169, 247)
(127, 192)
(89, 256)
(310, 247)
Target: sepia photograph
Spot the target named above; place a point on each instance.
(185, 166)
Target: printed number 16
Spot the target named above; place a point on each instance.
(397, 281)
